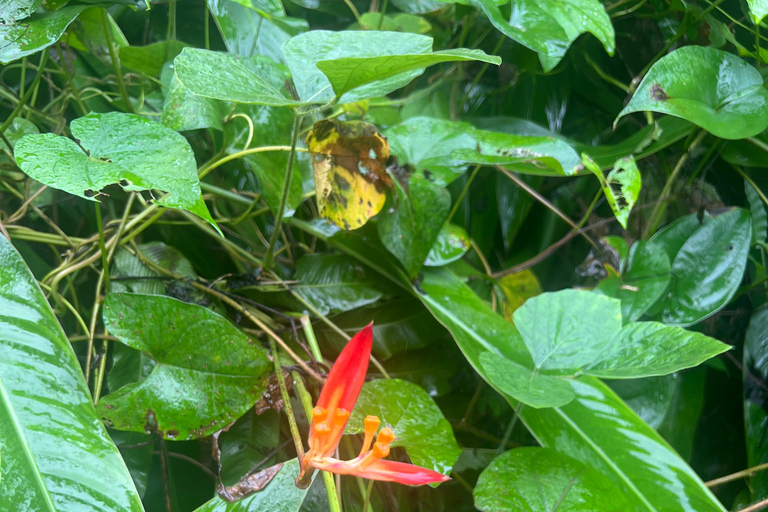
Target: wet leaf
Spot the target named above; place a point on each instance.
(52, 466)
(227, 77)
(708, 262)
(13, 10)
(758, 214)
(37, 32)
(121, 148)
(412, 228)
(641, 281)
(727, 97)
(255, 27)
(758, 9)
(621, 186)
(442, 150)
(601, 431)
(349, 73)
(183, 110)
(149, 59)
(415, 418)
(206, 373)
(543, 480)
(518, 288)
(305, 51)
(756, 397)
(334, 283)
(526, 385)
(451, 244)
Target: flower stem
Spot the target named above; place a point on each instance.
(287, 401)
(334, 504)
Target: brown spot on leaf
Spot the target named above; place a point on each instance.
(658, 93)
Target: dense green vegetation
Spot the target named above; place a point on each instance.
(560, 234)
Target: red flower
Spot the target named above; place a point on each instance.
(329, 417)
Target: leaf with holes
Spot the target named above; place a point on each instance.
(621, 186)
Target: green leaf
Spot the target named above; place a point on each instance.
(247, 443)
(305, 51)
(418, 6)
(641, 283)
(37, 32)
(758, 9)
(758, 213)
(442, 150)
(413, 227)
(566, 330)
(755, 415)
(474, 326)
(621, 186)
(647, 349)
(530, 387)
(183, 110)
(400, 22)
(56, 454)
(415, 418)
(600, 430)
(227, 77)
(253, 27)
(532, 26)
(708, 267)
(349, 73)
(334, 283)
(280, 495)
(207, 373)
(122, 148)
(451, 244)
(399, 327)
(12, 10)
(727, 98)
(597, 428)
(544, 480)
(149, 59)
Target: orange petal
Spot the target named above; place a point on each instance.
(385, 470)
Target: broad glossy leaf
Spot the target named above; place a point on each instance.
(280, 495)
(474, 326)
(334, 283)
(133, 276)
(420, 366)
(442, 150)
(647, 349)
(598, 429)
(184, 110)
(13, 10)
(400, 22)
(530, 25)
(758, 214)
(349, 73)
(744, 153)
(526, 385)
(88, 33)
(305, 51)
(543, 480)
(755, 415)
(641, 283)
(227, 77)
(207, 373)
(649, 397)
(708, 267)
(621, 186)
(254, 27)
(56, 453)
(149, 59)
(727, 97)
(122, 148)
(566, 330)
(451, 244)
(415, 418)
(412, 228)
(37, 32)
(418, 6)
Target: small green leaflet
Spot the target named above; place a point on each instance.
(621, 186)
